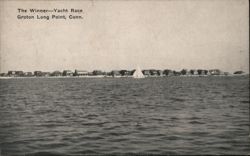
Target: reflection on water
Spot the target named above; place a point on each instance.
(176, 115)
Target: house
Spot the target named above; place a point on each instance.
(15, 73)
(176, 73)
(67, 73)
(168, 72)
(108, 73)
(125, 73)
(90, 74)
(56, 73)
(81, 73)
(97, 72)
(206, 72)
(3, 74)
(115, 73)
(28, 74)
(153, 72)
(202, 72)
(37, 73)
(146, 72)
(215, 72)
(105, 73)
(45, 74)
(193, 72)
(19, 73)
(11, 73)
(159, 72)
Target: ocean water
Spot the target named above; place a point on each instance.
(169, 115)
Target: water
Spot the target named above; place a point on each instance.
(176, 115)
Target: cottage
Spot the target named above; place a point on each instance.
(153, 72)
(90, 74)
(202, 72)
(28, 74)
(105, 73)
(38, 73)
(3, 74)
(45, 74)
(125, 73)
(97, 72)
(159, 72)
(176, 73)
(56, 73)
(168, 72)
(215, 72)
(11, 73)
(115, 73)
(146, 72)
(67, 73)
(19, 73)
(193, 72)
(206, 72)
(81, 73)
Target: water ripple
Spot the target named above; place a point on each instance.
(184, 115)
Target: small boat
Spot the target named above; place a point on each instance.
(138, 73)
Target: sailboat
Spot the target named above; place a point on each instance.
(138, 73)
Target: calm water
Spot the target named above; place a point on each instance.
(177, 115)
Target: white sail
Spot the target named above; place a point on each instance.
(138, 73)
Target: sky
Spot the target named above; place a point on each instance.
(115, 35)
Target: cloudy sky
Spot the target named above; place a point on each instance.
(170, 34)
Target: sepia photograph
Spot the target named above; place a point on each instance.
(124, 77)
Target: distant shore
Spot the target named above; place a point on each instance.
(118, 73)
(90, 77)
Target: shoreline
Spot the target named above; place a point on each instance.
(89, 77)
